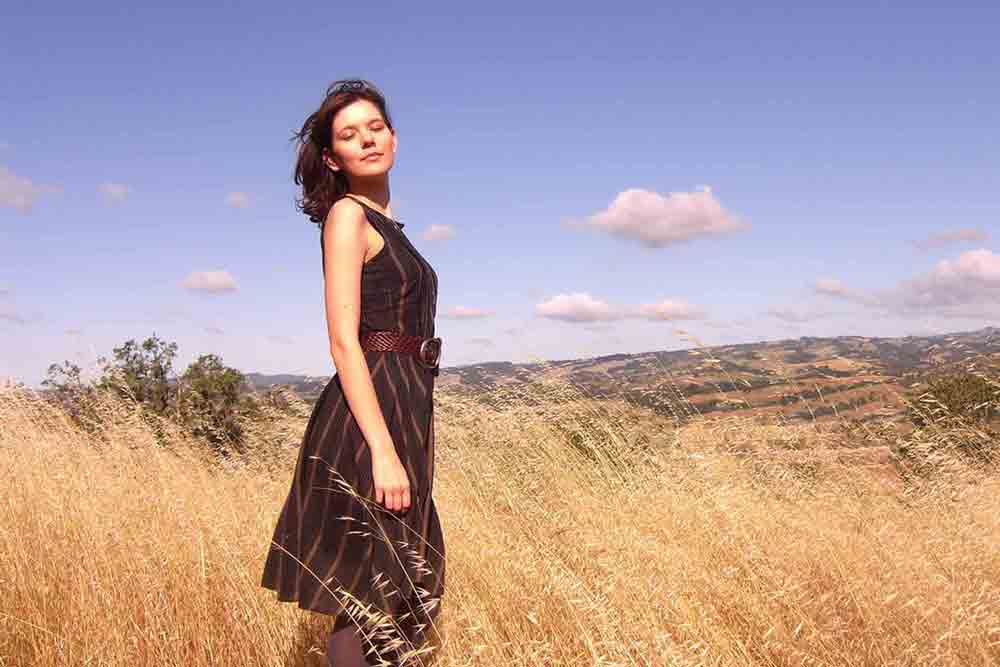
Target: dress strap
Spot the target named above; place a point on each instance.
(370, 207)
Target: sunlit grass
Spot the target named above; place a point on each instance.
(578, 532)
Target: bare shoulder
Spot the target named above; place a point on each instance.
(346, 212)
(345, 220)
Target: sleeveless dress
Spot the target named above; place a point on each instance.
(337, 553)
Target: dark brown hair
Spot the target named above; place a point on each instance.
(322, 186)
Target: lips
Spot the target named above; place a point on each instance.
(371, 158)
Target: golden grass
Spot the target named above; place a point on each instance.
(577, 532)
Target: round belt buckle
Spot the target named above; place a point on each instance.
(433, 345)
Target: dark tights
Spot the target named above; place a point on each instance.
(344, 649)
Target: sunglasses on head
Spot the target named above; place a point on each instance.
(354, 85)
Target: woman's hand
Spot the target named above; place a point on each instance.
(392, 486)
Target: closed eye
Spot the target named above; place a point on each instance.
(350, 135)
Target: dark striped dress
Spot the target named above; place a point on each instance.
(336, 553)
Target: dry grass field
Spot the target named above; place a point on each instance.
(578, 533)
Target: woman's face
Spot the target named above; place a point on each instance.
(363, 144)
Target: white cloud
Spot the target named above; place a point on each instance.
(461, 312)
(972, 277)
(668, 309)
(943, 238)
(577, 307)
(657, 221)
(439, 233)
(214, 330)
(19, 192)
(967, 286)
(982, 266)
(581, 307)
(114, 191)
(835, 288)
(209, 281)
(238, 199)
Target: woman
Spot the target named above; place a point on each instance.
(358, 537)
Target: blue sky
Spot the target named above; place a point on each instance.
(613, 177)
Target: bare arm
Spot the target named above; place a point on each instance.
(345, 244)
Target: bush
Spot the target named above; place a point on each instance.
(143, 371)
(952, 419)
(967, 396)
(211, 403)
(209, 400)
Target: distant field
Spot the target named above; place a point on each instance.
(794, 380)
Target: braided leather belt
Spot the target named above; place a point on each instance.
(427, 350)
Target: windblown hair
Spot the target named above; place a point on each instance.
(320, 185)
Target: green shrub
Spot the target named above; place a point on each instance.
(953, 418)
(209, 400)
(211, 403)
(963, 395)
(142, 371)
